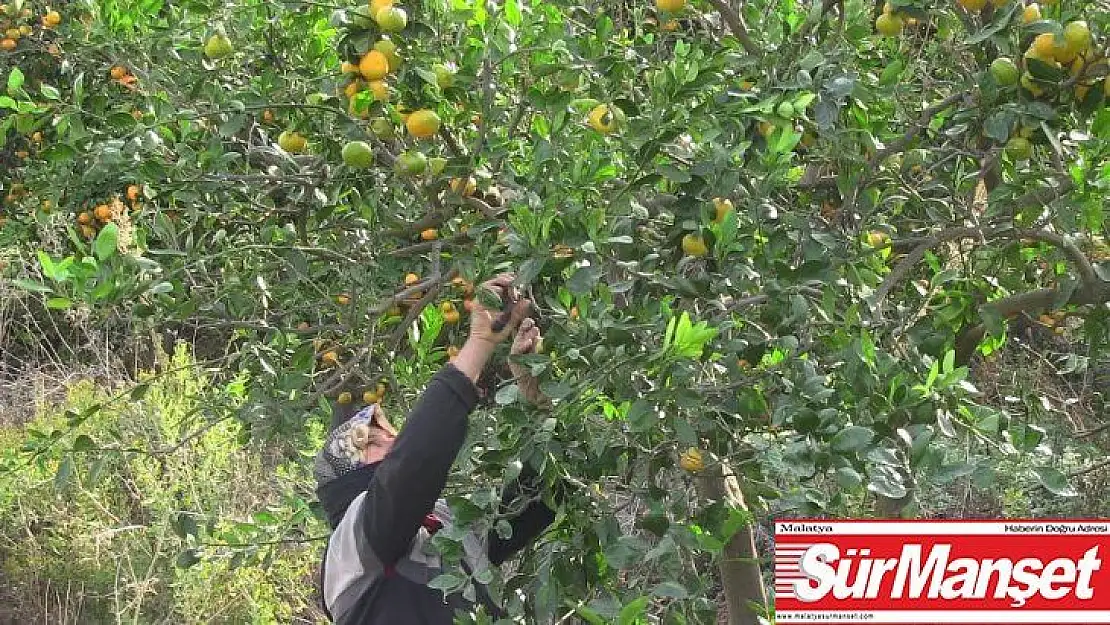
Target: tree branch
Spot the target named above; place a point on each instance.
(826, 6)
(915, 129)
(736, 25)
(424, 246)
(488, 211)
(429, 283)
(1033, 301)
(436, 283)
(452, 145)
(1105, 464)
(431, 220)
(906, 265)
(739, 565)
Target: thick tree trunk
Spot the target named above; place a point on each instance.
(739, 567)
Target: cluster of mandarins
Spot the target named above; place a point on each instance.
(369, 83)
(330, 354)
(90, 221)
(451, 314)
(123, 76)
(16, 24)
(1060, 59)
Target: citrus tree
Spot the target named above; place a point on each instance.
(765, 240)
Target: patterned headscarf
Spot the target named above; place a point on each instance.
(342, 452)
(340, 472)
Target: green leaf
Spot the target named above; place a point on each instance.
(852, 438)
(1100, 127)
(64, 473)
(641, 416)
(232, 126)
(34, 287)
(512, 12)
(529, 270)
(48, 92)
(887, 484)
(674, 174)
(105, 244)
(58, 152)
(140, 391)
(625, 552)
(670, 590)
(15, 81)
(122, 121)
(161, 288)
(949, 362)
(556, 390)
(892, 72)
(812, 60)
(1043, 71)
(188, 558)
(589, 615)
(951, 472)
(848, 478)
(1002, 20)
(184, 525)
(802, 102)
(633, 611)
(998, 126)
(690, 339)
(1055, 481)
(59, 303)
(584, 280)
(83, 443)
(507, 394)
(447, 581)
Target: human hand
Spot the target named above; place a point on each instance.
(527, 339)
(490, 327)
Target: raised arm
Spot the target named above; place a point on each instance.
(411, 477)
(408, 481)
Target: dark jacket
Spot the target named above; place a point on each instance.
(378, 561)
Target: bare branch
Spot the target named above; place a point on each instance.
(915, 129)
(736, 25)
(1031, 302)
(424, 246)
(1105, 464)
(488, 211)
(906, 265)
(452, 145)
(414, 312)
(1093, 432)
(431, 220)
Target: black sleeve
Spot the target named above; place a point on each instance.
(411, 478)
(532, 520)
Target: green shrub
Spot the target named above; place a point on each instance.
(107, 500)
